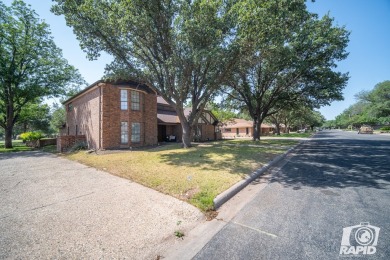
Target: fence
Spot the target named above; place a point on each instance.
(42, 142)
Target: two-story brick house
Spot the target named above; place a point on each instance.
(124, 114)
(110, 115)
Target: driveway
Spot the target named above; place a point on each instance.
(51, 207)
(334, 181)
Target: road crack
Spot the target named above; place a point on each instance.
(256, 229)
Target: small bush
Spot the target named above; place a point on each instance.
(179, 234)
(31, 136)
(385, 128)
(78, 146)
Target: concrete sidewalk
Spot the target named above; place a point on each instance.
(51, 207)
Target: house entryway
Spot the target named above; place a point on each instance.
(162, 133)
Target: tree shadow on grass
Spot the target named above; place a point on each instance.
(338, 164)
(213, 157)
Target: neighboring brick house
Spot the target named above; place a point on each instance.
(242, 128)
(124, 114)
(108, 115)
(169, 128)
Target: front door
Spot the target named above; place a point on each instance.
(162, 133)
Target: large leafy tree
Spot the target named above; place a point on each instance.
(31, 66)
(34, 116)
(372, 108)
(298, 116)
(181, 48)
(288, 56)
(58, 118)
(377, 101)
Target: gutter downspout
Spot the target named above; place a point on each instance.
(100, 117)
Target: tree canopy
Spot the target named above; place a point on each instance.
(372, 108)
(31, 66)
(290, 57)
(184, 49)
(268, 54)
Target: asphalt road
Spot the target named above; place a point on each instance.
(334, 181)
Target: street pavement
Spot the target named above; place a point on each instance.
(334, 181)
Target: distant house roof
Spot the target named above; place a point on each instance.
(242, 123)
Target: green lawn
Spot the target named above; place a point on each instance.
(262, 142)
(18, 146)
(302, 135)
(196, 175)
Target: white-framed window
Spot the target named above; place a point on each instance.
(123, 99)
(135, 100)
(124, 133)
(135, 132)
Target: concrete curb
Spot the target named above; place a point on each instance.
(229, 193)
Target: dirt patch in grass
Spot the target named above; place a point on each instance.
(196, 175)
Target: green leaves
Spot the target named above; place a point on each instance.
(181, 48)
(288, 56)
(31, 66)
(372, 107)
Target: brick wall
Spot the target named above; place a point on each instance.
(96, 113)
(67, 141)
(208, 132)
(83, 116)
(112, 116)
(242, 132)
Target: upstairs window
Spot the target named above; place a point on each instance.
(123, 99)
(135, 100)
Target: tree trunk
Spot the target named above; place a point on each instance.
(256, 130)
(9, 126)
(186, 138)
(8, 137)
(286, 126)
(277, 125)
(186, 129)
(287, 129)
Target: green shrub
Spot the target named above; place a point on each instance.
(385, 128)
(31, 136)
(78, 146)
(204, 200)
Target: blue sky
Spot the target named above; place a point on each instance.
(368, 62)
